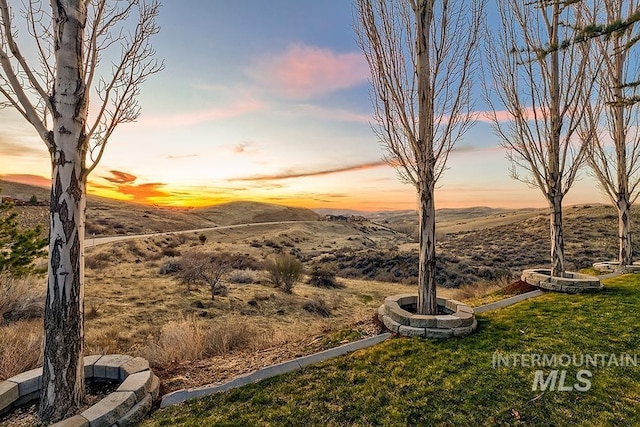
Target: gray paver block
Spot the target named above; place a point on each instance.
(391, 324)
(448, 321)
(139, 384)
(137, 413)
(109, 366)
(89, 361)
(9, 393)
(409, 331)
(110, 409)
(75, 421)
(438, 333)
(28, 381)
(423, 321)
(465, 330)
(133, 366)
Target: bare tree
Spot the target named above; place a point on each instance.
(545, 93)
(422, 55)
(201, 267)
(52, 92)
(616, 111)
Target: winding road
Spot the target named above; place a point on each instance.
(95, 241)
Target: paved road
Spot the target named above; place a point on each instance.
(95, 241)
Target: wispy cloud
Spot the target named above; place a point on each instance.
(504, 115)
(37, 180)
(306, 71)
(182, 156)
(10, 148)
(236, 109)
(304, 174)
(332, 114)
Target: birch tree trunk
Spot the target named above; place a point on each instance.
(63, 392)
(557, 237)
(427, 257)
(625, 253)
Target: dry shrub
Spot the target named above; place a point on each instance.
(20, 347)
(21, 298)
(189, 340)
(284, 271)
(317, 305)
(243, 277)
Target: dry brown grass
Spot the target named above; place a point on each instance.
(21, 298)
(190, 340)
(20, 347)
(477, 290)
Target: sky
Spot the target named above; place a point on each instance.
(269, 101)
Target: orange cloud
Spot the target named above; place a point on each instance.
(292, 174)
(305, 71)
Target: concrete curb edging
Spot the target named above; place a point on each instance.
(508, 301)
(180, 396)
(124, 407)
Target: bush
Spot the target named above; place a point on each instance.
(170, 265)
(317, 305)
(284, 271)
(201, 267)
(323, 277)
(18, 248)
(243, 277)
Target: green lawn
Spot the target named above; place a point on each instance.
(419, 382)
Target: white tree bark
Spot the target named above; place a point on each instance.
(63, 369)
(615, 113)
(546, 93)
(55, 101)
(421, 54)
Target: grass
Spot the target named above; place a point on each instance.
(421, 382)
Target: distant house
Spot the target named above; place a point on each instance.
(343, 218)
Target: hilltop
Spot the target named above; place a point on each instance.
(107, 217)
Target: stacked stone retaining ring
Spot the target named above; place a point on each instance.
(124, 407)
(571, 283)
(398, 315)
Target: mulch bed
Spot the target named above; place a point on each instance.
(27, 415)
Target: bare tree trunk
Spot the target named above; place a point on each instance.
(625, 254)
(557, 237)
(63, 392)
(427, 258)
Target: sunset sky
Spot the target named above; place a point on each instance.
(268, 101)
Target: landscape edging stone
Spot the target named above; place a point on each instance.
(118, 407)
(183, 395)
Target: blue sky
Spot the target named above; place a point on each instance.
(269, 100)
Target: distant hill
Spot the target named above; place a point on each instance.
(107, 217)
(248, 212)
